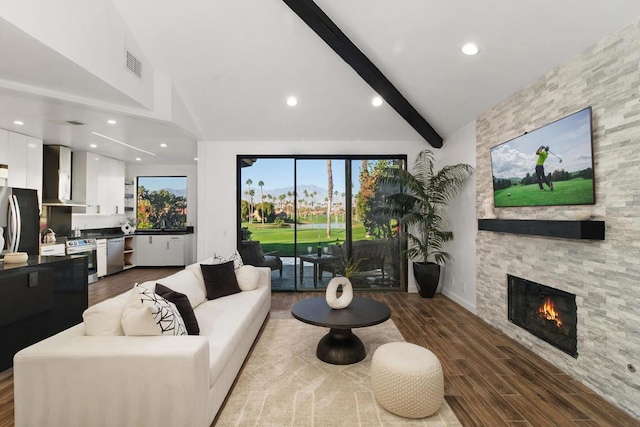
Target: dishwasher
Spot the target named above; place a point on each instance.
(115, 255)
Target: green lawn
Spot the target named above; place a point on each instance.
(273, 238)
(576, 191)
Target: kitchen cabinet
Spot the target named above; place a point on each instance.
(99, 182)
(115, 191)
(38, 299)
(17, 160)
(22, 153)
(101, 257)
(4, 146)
(160, 250)
(129, 252)
(54, 249)
(175, 250)
(34, 165)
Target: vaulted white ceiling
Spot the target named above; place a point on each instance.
(234, 63)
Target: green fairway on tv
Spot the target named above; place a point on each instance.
(578, 191)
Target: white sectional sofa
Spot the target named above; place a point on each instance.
(73, 379)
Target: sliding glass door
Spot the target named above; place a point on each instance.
(311, 218)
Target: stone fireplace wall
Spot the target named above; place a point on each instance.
(604, 275)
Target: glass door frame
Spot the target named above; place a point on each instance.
(349, 159)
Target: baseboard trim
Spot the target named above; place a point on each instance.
(460, 301)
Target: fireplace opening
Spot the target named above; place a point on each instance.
(548, 313)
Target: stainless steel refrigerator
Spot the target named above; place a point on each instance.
(20, 219)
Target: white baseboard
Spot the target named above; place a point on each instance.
(458, 300)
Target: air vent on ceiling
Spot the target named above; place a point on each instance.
(134, 65)
(67, 122)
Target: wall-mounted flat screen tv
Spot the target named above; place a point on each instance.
(550, 166)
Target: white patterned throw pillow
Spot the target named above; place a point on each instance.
(147, 313)
(235, 257)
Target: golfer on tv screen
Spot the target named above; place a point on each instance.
(563, 174)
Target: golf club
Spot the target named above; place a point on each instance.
(549, 151)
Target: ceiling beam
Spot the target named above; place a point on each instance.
(319, 22)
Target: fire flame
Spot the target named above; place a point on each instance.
(548, 311)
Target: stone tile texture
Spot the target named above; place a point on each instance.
(605, 275)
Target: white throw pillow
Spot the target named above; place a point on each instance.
(235, 257)
(104, 318)
(248, 277)
(197, 271)
(186, 282)
(147, 313)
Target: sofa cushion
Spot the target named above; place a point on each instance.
(248, 277)
(105, 318)
(220, 280)
(197, 271)
(235, 257)
(183, 305)
(226, 322)
(147, 313)
(186, 282)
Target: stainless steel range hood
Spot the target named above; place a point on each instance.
(56, 177)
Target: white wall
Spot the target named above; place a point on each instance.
(458, 279)
(217, 223)
(90, 33)
(88, 221)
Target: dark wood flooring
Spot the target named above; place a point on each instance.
(490, 380)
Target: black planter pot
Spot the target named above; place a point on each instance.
(427, 276)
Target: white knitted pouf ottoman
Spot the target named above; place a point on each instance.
(407, 379)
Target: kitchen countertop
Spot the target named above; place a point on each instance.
(36, 260)
(162, 232)
(115, 232)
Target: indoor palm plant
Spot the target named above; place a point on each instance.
(419, 204)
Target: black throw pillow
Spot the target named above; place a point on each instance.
(183, 305)
(220, 279)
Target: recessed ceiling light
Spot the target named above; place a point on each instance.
(93, 145)
(18, 122)
(195, 158)
(138, 159)
(111, 122)
(292, 101)
(470, 49)
(376, 101)
(163, 145)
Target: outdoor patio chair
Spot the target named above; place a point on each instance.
(252, 254)
(371, 255)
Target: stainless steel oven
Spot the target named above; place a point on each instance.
(89, 248)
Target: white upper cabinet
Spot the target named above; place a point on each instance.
(23, 155)
(99, 182)
(17, 160)
(4, 146)
(34, 165)
(116, 186)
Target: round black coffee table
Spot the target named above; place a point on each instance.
(340, 346)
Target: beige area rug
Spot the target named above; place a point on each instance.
(284, 384)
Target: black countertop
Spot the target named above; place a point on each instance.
(115, 232)
(162, 232)
(36, 260)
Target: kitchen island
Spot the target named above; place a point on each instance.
(39, 298)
